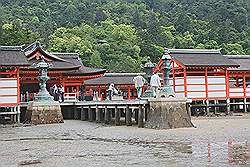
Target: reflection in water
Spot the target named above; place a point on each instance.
(237, 153)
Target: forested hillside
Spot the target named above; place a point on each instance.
(121, 34)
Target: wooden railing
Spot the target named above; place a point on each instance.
(70, 97)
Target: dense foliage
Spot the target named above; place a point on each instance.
(119, 35)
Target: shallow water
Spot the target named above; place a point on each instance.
(215, 142)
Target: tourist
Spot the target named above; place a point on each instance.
(155, 83)
(139, 83)
(112, 91)
(55, 92)
(61, 93)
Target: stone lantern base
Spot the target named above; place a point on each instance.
(168, 113)
(46, 112)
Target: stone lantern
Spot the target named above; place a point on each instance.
(167, 90)
(43, 94)
(148, 69)
(43, 110)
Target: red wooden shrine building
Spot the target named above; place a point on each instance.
(18, 76)
(122, 81)
(66, 69)
(211, 80)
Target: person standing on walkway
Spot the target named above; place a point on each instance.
(155, 83)
(61, 92)
(139, 83)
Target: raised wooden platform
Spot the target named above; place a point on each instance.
(105, 111)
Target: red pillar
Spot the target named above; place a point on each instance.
(227, 83)
(173, 74)
(99, 91)
(185, 81)
(18, 86)
(206, 82)
(129, 92)
(244, 84)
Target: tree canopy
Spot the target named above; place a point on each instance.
(119, 35)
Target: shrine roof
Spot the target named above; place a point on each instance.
(12, 56)
(201, 57)
(85, 71)
(116, 78)
(70, 57)
(242, 60)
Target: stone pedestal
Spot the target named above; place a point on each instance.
(168, 113)
(44, 112)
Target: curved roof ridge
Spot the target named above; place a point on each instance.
(11, 48)
(237, 56)
(211, 51)
(36, 46)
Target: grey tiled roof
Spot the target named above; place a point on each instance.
(242, 60)
(85, 71)
(12, 56)
(116, 78)
(198, 57)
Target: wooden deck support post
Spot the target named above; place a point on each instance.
(117, 116)
(140, 117)
(207, 107)
(90, 114)
(136, 115)
(216, 106)
(245, 105)
(98, 114)
(18, 114)
(107, 115)
(83, 114)
(128, 116)
(75, 113)
(228, 106)
(189, 109)
(146, 112)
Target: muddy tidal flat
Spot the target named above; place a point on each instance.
(216, 142)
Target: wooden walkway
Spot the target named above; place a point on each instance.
(108, 112)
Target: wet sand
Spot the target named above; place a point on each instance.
(81, 143)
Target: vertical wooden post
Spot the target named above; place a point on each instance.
(83, 114)
(185, 81)
(245, 105)
(90, 113)
(136, 116)
(245, 93)
(75, 113)
(128, 116)
(117, 116)
(173, 73)
(140, 117)
(99, 91)
(206, 82)
(146, 112)
(228, 105)
(216, 107)
(207, 106)
(107, 115)
(15, 115)
(98, 114)
(18, 87)
(129, 92)
(189, 109)
(227, 83)
(18, 114)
